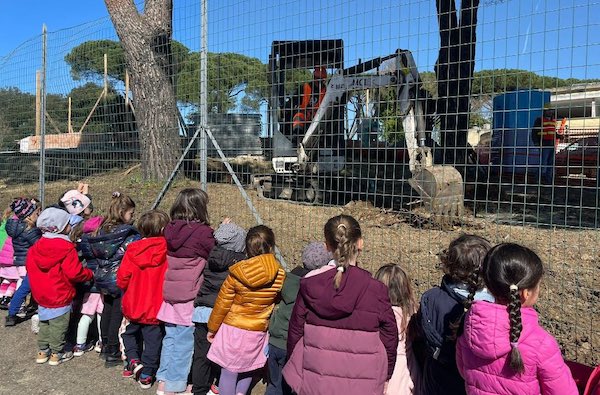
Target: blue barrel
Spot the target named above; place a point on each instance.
(513, 149)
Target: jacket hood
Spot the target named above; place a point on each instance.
(221, 259)
(149, 252)
(15, 227)
(330, 303)
(289, 292)
(92, 224)
(257, 271)
(487, 329)
(51, 252)
(189, 239)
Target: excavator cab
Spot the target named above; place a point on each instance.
(292, 66)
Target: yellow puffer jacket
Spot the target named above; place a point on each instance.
(247, 296)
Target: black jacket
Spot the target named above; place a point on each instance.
(440, 307)
(103, 254)
(219, 261)
(22, 239)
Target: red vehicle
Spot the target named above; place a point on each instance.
(577, 164)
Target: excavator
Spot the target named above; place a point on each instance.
(317, 163)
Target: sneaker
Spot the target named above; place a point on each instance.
(61, 357)
(132, 369)
(214, 390)
(35, 324)
(43, 356)
(98, 347)
(160, 388)
(27, 311)
(113, 359)
(81, 349)
(146, 382)
(11, 320)
(4, 302)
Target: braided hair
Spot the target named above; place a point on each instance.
(462, 263)
(507, 269)
(342, 234)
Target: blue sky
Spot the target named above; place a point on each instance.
(550, 37)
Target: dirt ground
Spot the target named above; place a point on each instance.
(569, 304)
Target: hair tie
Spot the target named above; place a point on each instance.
(513, 287)
(514, 344)
(341, 269)
(341, 226)
(116, 194)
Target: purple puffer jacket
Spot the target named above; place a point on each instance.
(483, 355)
(188, 247)
(341, 341)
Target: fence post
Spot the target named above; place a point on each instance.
(42, 186)
(203, 95)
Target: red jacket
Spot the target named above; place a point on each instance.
(53, 269)
(141, 276)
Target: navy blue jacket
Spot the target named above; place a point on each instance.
(22, 239)
(441, 307)
(103, 254)
(215, 273)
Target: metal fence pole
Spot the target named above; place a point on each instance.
(203, 95)
(42, 186)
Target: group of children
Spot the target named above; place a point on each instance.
(203, 312)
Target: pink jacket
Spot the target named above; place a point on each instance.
(407, 375)
(483, 355)
(6, 254)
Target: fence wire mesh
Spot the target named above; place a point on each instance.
(322, 107)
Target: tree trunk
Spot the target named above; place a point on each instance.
(146, 41)
(454, 73)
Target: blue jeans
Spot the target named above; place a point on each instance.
(176, 357)
(19, 297)
(276, 362)
(548, 154)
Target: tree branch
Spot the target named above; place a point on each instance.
(133, 20)
(154, 11)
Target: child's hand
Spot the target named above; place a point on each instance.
(226, 220)
(210, 336)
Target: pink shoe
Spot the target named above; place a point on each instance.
(160, 388)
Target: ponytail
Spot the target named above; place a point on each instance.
(342, 233)
(516, 326)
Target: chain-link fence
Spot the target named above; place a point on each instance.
(324, 107)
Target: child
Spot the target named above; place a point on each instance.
(406, 376)
(503, 349)
(107, 246)
(53, 268)
(24, 233)
(314, 256)
(237, 327)
(189, 242)
(231, 244)
(141, 276)
(442, 310)
(9, 274)
(343, 336)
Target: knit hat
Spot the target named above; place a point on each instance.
(53, 220)
(23, 207)
(315, 255)
(231, 237)
(75, 202)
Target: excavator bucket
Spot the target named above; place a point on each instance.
(441, 188)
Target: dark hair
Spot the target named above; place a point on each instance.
(152, 223)
(507, 269)
(259, 240)
(461, 262)
(119, 205)
(399, 289)
(342, 233)
(191, 205)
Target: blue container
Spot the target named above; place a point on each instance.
(513, 149)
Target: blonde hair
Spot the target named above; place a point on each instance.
(342, 234)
